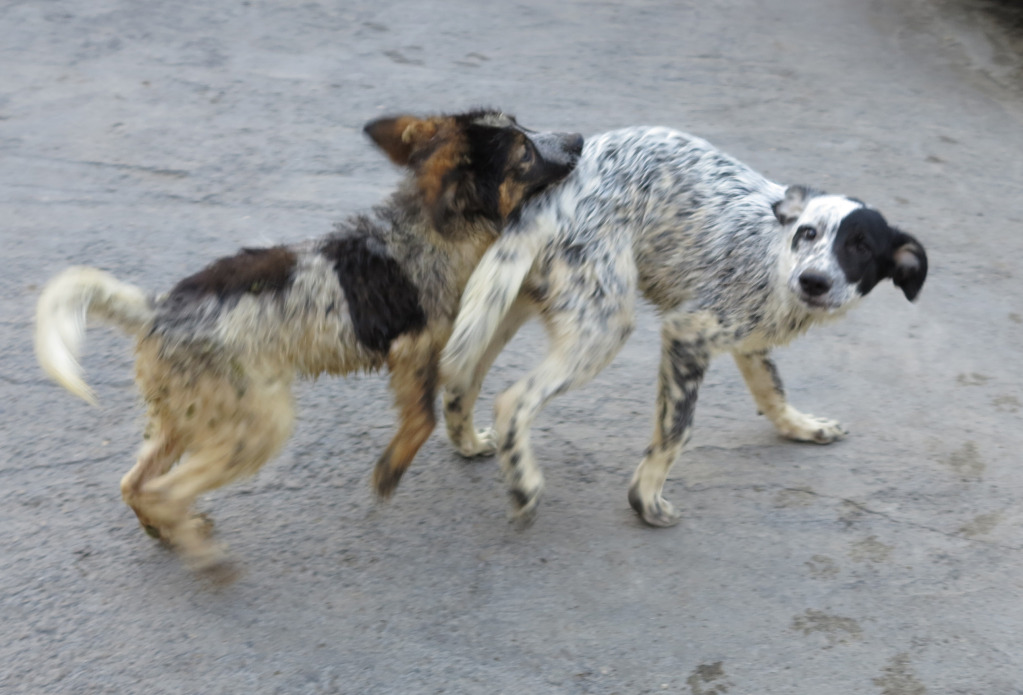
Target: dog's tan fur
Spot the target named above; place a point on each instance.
(216, 357)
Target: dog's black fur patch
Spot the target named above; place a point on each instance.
(866, 247)
(488, 150)
(863, 248)
(250, 271)
(382, 301)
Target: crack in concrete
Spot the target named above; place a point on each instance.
(160, 171)
(768, 487)
(867, 510)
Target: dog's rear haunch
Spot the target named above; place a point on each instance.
(216, 356)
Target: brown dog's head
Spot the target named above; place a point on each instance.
(480, 164)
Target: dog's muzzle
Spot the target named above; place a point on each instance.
(817, 290)
(559, 148)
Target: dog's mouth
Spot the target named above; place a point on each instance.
(822, 302)
(824, 305)
(817, 303)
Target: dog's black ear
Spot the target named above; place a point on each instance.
(909, 264)
(789, 208)
(400, 136)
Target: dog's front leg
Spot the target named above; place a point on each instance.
(414, 372)
(686, 343)
(462, 390)
(761, 375)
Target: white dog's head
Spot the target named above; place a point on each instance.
(838, 249)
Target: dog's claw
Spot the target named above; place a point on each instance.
(831, 431)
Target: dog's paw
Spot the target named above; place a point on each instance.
(149, 527)
(802, 427)
(524, 506)
(482, 442)
(658, 512)
(201, 524)
(191, 539)
(386, 475)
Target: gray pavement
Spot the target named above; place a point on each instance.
(148, 138)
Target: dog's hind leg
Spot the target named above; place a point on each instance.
(580, 349)
(413, 364)
(160, 451)
(761, 375)
(462, 390)
(234, 435)
(168, 502)
(687, 344)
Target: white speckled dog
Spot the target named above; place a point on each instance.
(733, 263)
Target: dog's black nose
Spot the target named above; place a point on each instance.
(814, 284)
(574, 143)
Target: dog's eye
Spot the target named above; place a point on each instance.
(806, 233)
(527, 156)
(859, 243)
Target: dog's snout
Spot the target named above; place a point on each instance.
(814, 284)
(563, 148)
(574, 143)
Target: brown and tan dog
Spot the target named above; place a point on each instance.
(216, 356)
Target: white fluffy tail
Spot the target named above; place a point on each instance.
(66, 301)
(489, 294)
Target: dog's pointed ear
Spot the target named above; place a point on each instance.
(789, 208)
(909, 264)
(400, 136)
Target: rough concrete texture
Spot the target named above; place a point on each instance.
(148, 138)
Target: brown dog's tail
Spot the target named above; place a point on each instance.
(66, 302)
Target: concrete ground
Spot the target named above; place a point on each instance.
(148, 138)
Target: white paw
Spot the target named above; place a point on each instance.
(482, 442)
(659, 512)
(803, 427)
